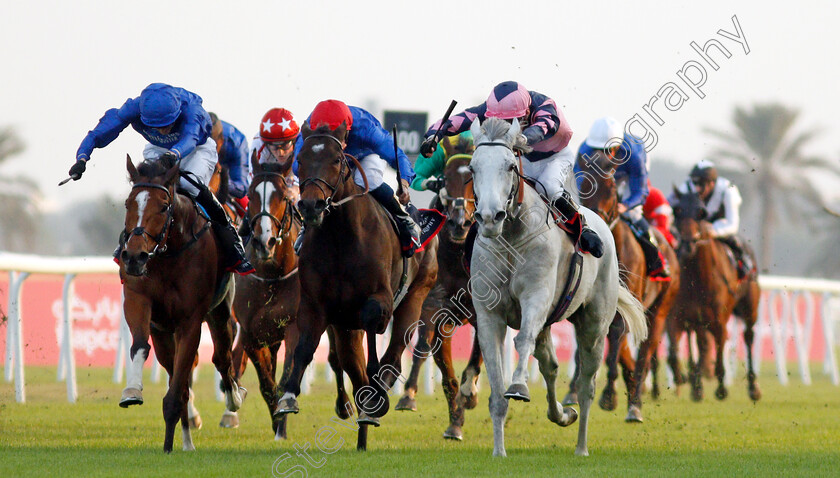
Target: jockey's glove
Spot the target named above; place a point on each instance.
(428, 147)
(77, 169)
(168, 159)
(433, 184)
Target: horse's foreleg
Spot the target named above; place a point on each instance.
(491, 335)
(644, 361)
(349, 345)
(443, 359)
(534, 311)
(571, 397)
(137, 311)
(175, 400)
(425, 336)
(342, 401)
(221, 331)
(675, 333)
(468, 393)
(547, 357)
(720, 335)
(261, 358)
(311, 325)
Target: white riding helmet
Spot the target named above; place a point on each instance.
(605, 131)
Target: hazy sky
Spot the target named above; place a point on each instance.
(65, 63)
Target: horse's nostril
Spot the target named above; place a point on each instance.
(271, 242)
(500, 216)
(143, 257)
(479, 218)
(320, 205)
(124, 255)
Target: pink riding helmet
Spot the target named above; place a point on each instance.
(508, 100)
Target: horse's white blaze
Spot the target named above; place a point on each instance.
(317, 148)
(142, 199)
(265, 190)
(134, 378)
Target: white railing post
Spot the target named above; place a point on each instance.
(11, 331)
(799, 340)
(69, 372)
(16, 317)
(828, 335)
(774, 319)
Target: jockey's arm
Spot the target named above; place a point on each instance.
(636, 181)
(238, 170)
(428, 167)
(112, 123)
(730, 224)
(191, 131)
(546, 122)
(380, 141)
(458, 123)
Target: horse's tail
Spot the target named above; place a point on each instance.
(633, 313)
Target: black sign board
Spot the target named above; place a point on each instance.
(410, 129)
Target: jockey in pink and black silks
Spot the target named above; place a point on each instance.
(548, 133)
(178, 130)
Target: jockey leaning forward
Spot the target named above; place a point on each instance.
(232, 148)
(178, 129)
(374, 147)
(547, 132)
(607, 135)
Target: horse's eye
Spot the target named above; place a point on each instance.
(511, 167)
(164, 208)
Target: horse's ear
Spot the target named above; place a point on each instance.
(171, 175)
(341, 132)
(677, 192)
(475, 129)
(514, 130)
(132, 171)
(255, 161)
(305, 130)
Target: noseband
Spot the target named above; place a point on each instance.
(342, 178)
(160, 239)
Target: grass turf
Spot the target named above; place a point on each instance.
(793, 430)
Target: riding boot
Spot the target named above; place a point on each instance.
(589, 240)
(409, 231)
(742, 258)
(245, 231)
(231, 245)
(657, 266)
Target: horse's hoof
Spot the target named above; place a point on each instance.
(470, 401)
(518, 391)
(453, 433)
(572, 414)
(407, 403)
(721, 393)
(654, 394)
(287, 405)
(342, 409)
(365, 419)
(570, 399)
(634, 415)
(188, 447)
(195, 422)
(581, 452)
(229, 420)
(697, 394)
(131, 396)
(608, 401)
(755, 393)
(384, 405)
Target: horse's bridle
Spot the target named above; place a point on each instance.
(284, 224)
(341, 176)
(160, 239)
(517, 192)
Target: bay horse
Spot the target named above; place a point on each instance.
(710, 293)
(266, 303)
(351, 272)
(449, 304)
(520, 267)
(656, 296)
(173, 280)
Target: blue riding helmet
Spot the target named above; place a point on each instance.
(159, 105)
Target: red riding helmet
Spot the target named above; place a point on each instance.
(278, 124)
(331, 113)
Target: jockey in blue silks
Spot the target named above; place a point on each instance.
(631, 176)
(178, 129)
(234, 155)
(374, 147)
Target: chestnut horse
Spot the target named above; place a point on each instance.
(656, 296)
(449, 303)
(351, 273)
(710, 294)
(266, 303)
(173, 280)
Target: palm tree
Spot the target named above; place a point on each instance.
(764, 157)
(19, 197)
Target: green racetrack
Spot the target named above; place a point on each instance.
(793, 431)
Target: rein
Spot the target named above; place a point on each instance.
(290, 214)
(339, 181)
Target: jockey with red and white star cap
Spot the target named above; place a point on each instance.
(275, 144)
(178, 130)
(547, 132)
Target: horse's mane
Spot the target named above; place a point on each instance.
(496, 129)
(151, 169)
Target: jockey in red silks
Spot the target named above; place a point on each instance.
(178, 129)
(547, 132)
(658, 212)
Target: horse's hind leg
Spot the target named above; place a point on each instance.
(591, 349)
(747, 309)
(261, 358)
(720, 335)
(175, 400)
(192, 412)
(342, 401)
(443, 359)
(425, 335)
(349, 349)
(221, 331)
(571, 397)
(616, 340)
(547, 358)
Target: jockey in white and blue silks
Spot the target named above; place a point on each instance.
(234, 155)
(547, 132)
(631, 176)
(373, 146)
(178, 129)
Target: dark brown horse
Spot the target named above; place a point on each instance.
(173, 280)
(657, 296)
(351, 271)
(449, 303)
(710, 293)
(266, 303)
